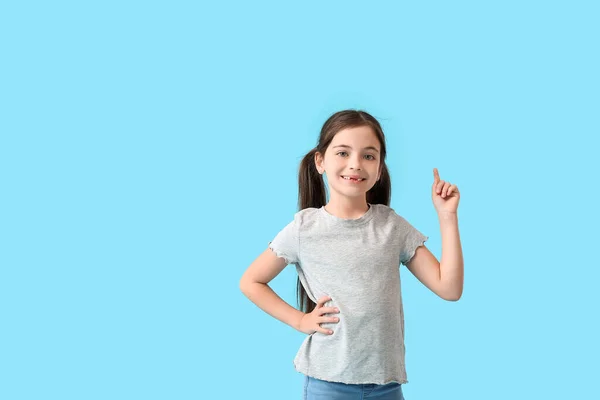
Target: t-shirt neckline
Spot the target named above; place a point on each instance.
(367, 216)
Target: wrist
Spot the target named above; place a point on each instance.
(298, 324)
(447, 215)
(447, 212)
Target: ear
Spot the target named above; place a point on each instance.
(319, 162)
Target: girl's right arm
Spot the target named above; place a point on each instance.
(254, 284)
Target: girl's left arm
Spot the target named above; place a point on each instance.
(444, 278)
(452, 265)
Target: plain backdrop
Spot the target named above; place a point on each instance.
(149, 152)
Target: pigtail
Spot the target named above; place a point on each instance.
(381, 192)
(311, 187)
(311, 194)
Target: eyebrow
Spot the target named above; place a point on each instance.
(366, 148)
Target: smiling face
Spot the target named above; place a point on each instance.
(353, 153)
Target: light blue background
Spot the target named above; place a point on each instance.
(149, 153)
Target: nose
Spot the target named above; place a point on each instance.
(355, 164)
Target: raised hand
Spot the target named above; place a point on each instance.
(444, 195)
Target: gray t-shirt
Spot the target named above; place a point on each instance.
(356, 262)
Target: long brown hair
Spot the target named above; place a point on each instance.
(311, 191)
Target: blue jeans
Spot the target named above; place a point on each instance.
(316, 389)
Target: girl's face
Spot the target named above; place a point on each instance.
(353, 152)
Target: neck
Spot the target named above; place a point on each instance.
(347, 208)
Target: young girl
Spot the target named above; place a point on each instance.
(347, 253)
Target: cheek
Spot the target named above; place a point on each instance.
(336, 167)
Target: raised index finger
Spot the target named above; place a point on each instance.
(436, 175)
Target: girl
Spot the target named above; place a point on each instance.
(347, 254)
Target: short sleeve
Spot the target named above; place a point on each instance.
(286, 243)
(410, 238)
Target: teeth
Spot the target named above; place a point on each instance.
(346, 178)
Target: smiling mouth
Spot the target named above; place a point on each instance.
(352, 179)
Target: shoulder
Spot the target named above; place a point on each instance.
(302, 217)
(383, 209)
(309, 212)
(387, 214)
(305, 217)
